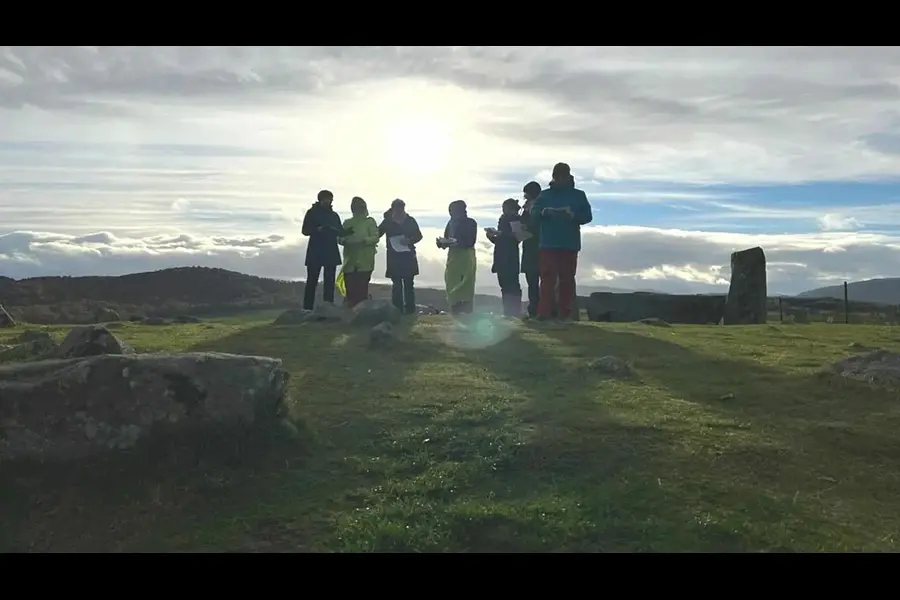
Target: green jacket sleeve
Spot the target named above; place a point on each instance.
(373, 234)
(345, 225)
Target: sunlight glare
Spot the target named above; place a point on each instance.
(418, 146)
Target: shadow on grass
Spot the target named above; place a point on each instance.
(813, 454)
(237, 490)
(525, 457)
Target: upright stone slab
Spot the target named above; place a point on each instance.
(746, 302)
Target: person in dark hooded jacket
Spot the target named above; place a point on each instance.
(402, 233)
(531, 248)
(506, 238)
(323, 227)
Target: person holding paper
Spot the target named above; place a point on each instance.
(322, 226)
(559, 212)
(402, 233)
(360, 244)
(531, 248)
(506, 238)
(459, 275)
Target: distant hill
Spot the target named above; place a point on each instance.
(878, 291)
(169, 292)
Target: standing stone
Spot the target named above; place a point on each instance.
(746, 303)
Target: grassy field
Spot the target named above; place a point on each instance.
(722, 440)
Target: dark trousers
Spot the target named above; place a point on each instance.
(511, 291)
(532, 278)
(403, 294)
(357, 284)
(557, 269)
(312, 281)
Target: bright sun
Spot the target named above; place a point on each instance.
(420, 147)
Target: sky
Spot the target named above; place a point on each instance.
(124, 159)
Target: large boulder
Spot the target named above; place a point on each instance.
(63, 409)
(747, 303)
(372, 312)
(91, 340)
(672, 308)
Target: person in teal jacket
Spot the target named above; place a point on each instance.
(558, 214)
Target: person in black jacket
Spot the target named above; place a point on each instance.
(506, 239)
(402, 234)
(323, 227)
(531, 248)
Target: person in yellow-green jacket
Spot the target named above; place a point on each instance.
(360, 245)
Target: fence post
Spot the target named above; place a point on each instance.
(780, 311)
(846, 306)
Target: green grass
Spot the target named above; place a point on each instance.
(723, 440)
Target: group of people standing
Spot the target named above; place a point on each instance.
(547, 228)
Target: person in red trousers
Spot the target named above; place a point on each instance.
(558, 213)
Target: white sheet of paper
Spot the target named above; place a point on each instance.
(519, 231)
(398, 245)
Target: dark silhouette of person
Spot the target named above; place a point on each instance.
(506, 239)
(323, 227)
(559, 212)
(531, 248)
(402, 234)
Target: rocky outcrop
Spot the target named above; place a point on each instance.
(372, 312)
(746, 303)
(91, 340)
(64, 409)
(672, 308)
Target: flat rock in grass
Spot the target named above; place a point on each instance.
(610, 365)
(879, 367)
(64, 409)
(326, 312)
(655, 321)
(292, 316)
(39, 344)
(374, 312)
(381, 335)
(33, 334)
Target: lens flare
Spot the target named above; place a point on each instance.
(477, 331)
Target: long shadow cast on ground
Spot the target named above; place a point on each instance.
(177, 492)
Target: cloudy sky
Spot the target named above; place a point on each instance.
(124, 159)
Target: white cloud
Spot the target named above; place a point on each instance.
(176, 150)
(837, 222)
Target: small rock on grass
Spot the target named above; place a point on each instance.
(611, 365)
